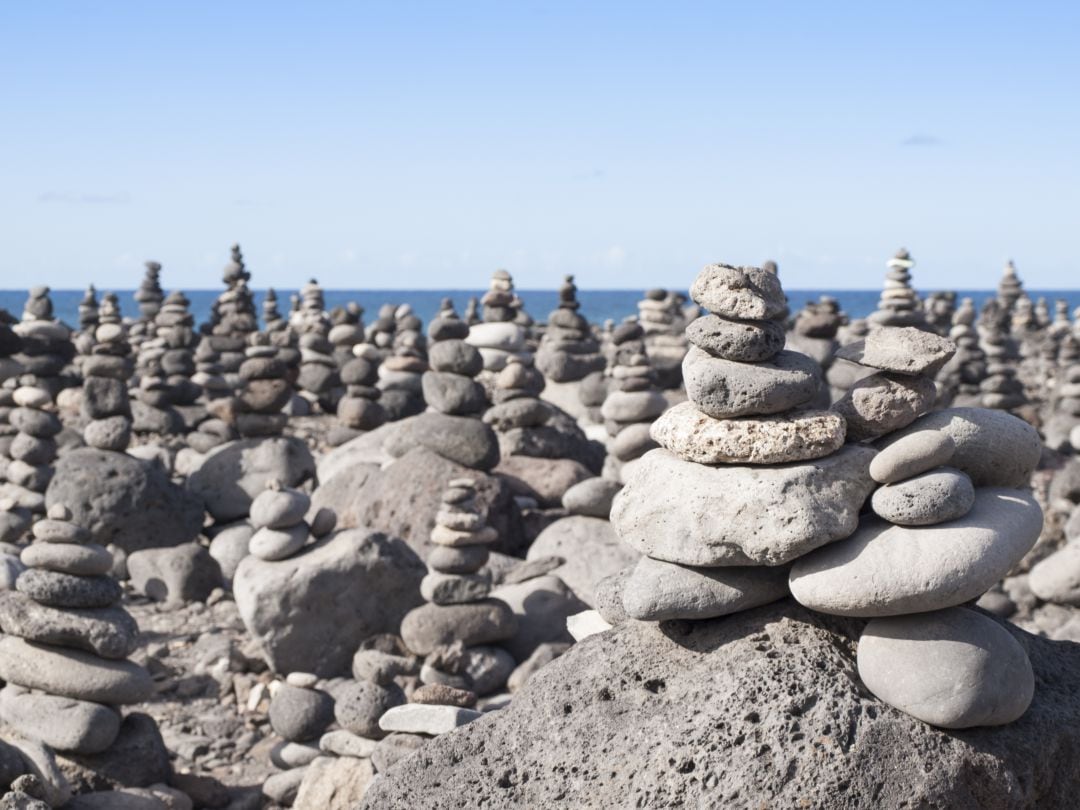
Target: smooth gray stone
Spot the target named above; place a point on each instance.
(300, 714)
(488, 668)
(591, 497)
(882, 403)
(382, 667)
(915, 453)
(342, 743)
(886, 570)
(933, 497)
(418, 718)
(745, 293)
(429, 626)
(952, 668)
(995, 448)
(722, 388)
(454, 589)
(659, 591)
(454, 394)
(455, 357)
(110, 632)
(281, 788)
(64, 590)
(590, 548)
(278, 544)
(695, 514)
(278, 509)
(741, 341)
(73, 674)
(902, 349)
(633, 406)
(288, 754)
(63, 723)
(68, 558)
(457, 560)
(1056, 578)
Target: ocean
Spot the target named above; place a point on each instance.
(596, 305)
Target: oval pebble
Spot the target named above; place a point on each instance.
(913, 454)
(933, 497)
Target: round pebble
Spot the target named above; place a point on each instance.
(933, 497)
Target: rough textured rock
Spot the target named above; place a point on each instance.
(72, 673)
(742, 341)
(794, 436)
(110, 632)
(882, 403)
(591, 549)
(231, 476)
(932, 497)
(733, 515)
(404, 498)
(545, 479)
(739, 292)
(334, 783)
(137, 758)
(995, 448)
(310, 612)
(759, 709)
(902, 349)
(123, 501)
(186, 573)
(886, 570)
(723, 389)
(460, 439)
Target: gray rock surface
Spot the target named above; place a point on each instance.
(429, 625)
(1056, 578)
(123, 501)
(590, 548)
(882, 403)
(745, 293)
(734, 515)
(886, 570)
(110, 632)
(310, 612)
(952, 668)
(300, 714)
(591, 497)
(540, 608)
(902, 349)
(722, 388)
(461, 439)
(916, 453)
(184, 573)
(759, 709)
(741, 341)
(60, 722)
(71, 673)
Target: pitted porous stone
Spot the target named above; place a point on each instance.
(741, 341)
(882, 403)
(902, 349)
(952, 668)
(887, 570)
(745, 293)
(694, 514)
(723, 389)
(796, 436)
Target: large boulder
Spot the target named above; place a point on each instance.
(591, 549)
(232, 475)
(461, 439)
(757, 709)
(310, 612)
(124, 501)
(402, 499)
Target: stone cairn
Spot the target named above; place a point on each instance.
(518, 416)
(155, 396)
(106, 405)
(499, 337)
(33, 448)
(318, 369)
(271, 317)
(1010, 289)
(401, 374)
(714, 544)
(814, 329)
(66, 642)
(346, 331)
(938, 309)
(961, 375)
(299, 714)
(174, 326)
(449, 386)
(88, 310)
(632, 404)
(149, 298)
(568, 350)
(661, 317)
(456, 628)
(233, 318)
(1000, 389)
(47, 347)
(899, 303)
(359, 408)
(264, 390)
(381, 332)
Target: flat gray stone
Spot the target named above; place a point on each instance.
(659, 591)
(63, 723)
(278, 544)
(71, 673)
(455, 589)
(793, 436)
(741, 341)
(882, 403)
(886, 570)
(952, 668)
(419, 718)
(278, 509)
(694, 514)
(68, 558)
(633, 406)
(745, 293)
(902, 349)
(591, 497)
(429, 626)
(933, 497)
(110, 632)
(723, 389)
(67, 591)
(995, 448)
(915, 453)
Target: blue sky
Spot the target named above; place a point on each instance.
(407, 144)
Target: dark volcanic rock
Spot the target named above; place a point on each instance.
(124, 501)
(759, 709)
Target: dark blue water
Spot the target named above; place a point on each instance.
(596, 305)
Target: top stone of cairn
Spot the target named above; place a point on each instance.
(744, 293)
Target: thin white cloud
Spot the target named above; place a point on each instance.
(85, 198)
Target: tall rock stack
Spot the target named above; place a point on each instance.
(899, 303)
(472, 311)
(149, 297)
(961, 375)
(1001, 390)
(660, 315)
(174, 326)
(449, 386)
(105, 403)
(271, 316)
(318, 379)
(498, 336)
(88, 310)
(381, 332)
(1063, 412)
(938, 308)
(46, 342)
(951, 518)
(456, 630)
(32, 449)
(900, 390)
(264, 390)
(632, 404)
(568, 350)
(1009, 290)
(359, 408)
(401, 374)
(814, 329)
(346, 331)
(745, 480)
(233, 318)
(152, 408)
(64, 652)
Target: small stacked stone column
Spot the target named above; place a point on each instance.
(105, 403)
(68, 641)
(175, 327)
(454, 631)
(632, 404)
(33, 447)
(962, 374)
(449, 386)
(499, 337)
(264, 391)
(568, 350)
(899, 304)
(359, 408)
